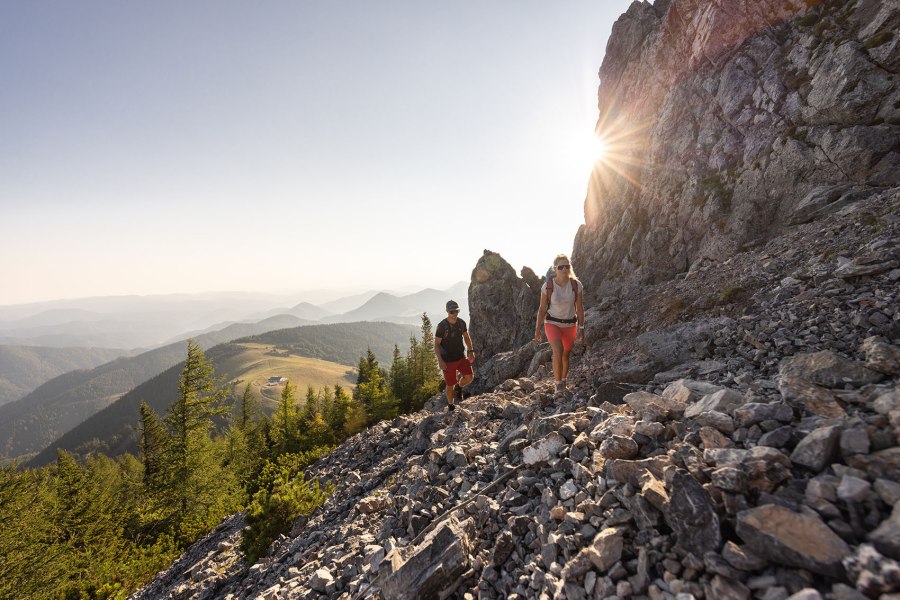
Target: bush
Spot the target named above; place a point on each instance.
(283, 495)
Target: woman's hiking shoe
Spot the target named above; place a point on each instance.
(451, 408)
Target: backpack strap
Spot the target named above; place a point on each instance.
(550, 289)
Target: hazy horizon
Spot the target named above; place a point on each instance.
(311, 296)
(162, 148)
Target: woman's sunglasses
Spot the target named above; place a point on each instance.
(562, 267)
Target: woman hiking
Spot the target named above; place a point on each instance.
(561, 314)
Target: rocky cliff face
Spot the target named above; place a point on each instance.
(728, 121)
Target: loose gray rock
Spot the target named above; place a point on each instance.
(795, 539)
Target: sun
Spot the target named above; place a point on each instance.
(588, 150)
(598, 148)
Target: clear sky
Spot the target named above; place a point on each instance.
(161, 147)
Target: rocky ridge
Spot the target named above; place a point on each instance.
(738, 443)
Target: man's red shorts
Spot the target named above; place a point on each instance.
(462, 365)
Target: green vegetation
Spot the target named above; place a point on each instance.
(71, 410)
(283, 496)
(339, 342)
(111, 430)
(100, 527)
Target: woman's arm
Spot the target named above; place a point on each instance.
(579, 313)
(542, 314)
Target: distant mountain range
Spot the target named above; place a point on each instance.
(406, 309)
(127, 322)
(132, 322)
(113, 429)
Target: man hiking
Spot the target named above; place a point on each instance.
(452, 356)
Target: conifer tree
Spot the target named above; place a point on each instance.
(368, 368)
(340, 412)
(399, 378)
(190, 420)
(30, 561)
(284, 423)
(413, 363)
(154, 441)
(248, 410)
(428, 375)
(87, 508)
(376, 397)
(310, 406)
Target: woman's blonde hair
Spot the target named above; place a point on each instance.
(562, 257)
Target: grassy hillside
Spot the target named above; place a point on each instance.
(256, 363)
(112, 430)
(24, 368)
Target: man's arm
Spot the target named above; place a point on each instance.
(470, 347)
(437, 351)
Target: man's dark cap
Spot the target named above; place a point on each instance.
(452, 305)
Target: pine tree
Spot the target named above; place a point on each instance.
(284, 425)
(428, 375)
(377, 398)
(368, 368)
(154, 440)
(31, 563)
(88, 507)
(399, 378)
(194, 472)
(310, 406)
(248, 410)
(340, 412)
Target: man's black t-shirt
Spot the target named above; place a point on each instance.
(452, 347)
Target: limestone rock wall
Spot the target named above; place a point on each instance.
(503, 307)
(728, 121)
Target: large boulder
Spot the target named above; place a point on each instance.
(430, 567)
(503, 309)
(794, 539)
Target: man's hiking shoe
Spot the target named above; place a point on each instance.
(451, 408)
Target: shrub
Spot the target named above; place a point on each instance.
(731, 294)
(283, 495)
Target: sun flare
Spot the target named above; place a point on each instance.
(588, 151)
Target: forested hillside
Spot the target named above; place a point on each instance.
(24, 368)
(338, 342)
(111, 430)
(29, 424)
